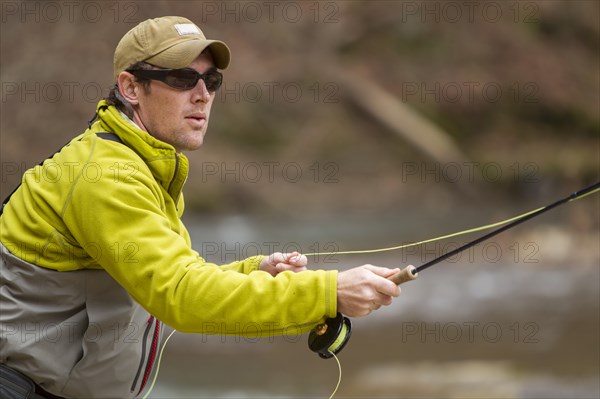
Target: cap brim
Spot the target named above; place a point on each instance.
(183, 54)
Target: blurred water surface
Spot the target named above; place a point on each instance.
(512, 319)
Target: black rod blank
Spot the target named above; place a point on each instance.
(468, 245)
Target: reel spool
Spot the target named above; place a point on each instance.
(330, 337)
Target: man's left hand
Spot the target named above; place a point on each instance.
(279, 262)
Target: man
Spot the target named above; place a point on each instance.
(94, 253)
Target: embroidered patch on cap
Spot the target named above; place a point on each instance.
(187, 29)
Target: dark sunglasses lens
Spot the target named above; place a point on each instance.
(213, 80)
(182, 79)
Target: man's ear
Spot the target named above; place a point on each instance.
(128, 87)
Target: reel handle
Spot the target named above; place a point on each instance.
(404, 275)
(330, 337)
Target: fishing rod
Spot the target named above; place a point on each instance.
(331, 337)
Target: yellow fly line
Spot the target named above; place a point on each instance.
(413, 244)
(459, 233)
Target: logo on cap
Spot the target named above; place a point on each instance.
(187, 29)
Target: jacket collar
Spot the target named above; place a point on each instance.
(169, 168)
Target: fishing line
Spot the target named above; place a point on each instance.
(339, 378)
(342, 337)
(414, 244)
(158, 361)
(522, 218)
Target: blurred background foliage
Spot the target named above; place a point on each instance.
(514, 87)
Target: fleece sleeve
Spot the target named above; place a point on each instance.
(167, 277)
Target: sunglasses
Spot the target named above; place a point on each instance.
(182, 79)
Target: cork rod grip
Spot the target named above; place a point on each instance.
(404, 275)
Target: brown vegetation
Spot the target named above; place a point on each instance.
(516, 94)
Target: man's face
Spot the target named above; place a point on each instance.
(177, 117)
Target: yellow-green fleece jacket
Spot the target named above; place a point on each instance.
(111, 210)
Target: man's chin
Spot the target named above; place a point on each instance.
(191, 145)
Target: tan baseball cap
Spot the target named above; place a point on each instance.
(167, 42)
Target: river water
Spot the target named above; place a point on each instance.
(519, 317)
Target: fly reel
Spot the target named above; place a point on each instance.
(329, 338)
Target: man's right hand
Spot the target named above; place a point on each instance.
(364, 289)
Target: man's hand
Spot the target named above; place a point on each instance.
(364, 289)
(278, 262)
